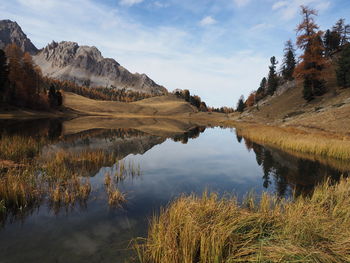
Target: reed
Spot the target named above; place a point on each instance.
(115, 197)
(210, 229)
(70, 191)
(19, 189)
(19, 148)
(288, 138)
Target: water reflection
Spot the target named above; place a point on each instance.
(149, 168)
(290, 174)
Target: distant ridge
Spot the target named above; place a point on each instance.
(83, 65)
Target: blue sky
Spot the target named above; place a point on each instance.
(218, 49)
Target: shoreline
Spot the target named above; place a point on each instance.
(295, 139)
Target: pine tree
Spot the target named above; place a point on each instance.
(272, 81)
(312, 61)
(289, 62)
(331, 41)
(343, 30)
(343, 70)
(3, 75)
(240, 104)
(187, 95)
(262, 87)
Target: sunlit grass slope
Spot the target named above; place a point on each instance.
(287, 138)
(158, 106)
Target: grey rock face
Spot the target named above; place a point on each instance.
(84, 64)
(81, 64)
(11, 32)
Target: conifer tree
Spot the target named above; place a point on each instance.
(261, 92)
(272, 81)
(240, 104)
(3, 75)
(331, 41)
(289, 62)
(343, 31)
(343, 70)
(312, 61)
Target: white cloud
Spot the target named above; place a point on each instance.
(289, 10)
(241, 3)
(207, 21)
(159, 4)
(130, 2)
(172, 56)
(261, 27)
(279, 4)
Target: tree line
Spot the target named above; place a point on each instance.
(22, 84)
(198, 103)
(98, 93)
(318, 50)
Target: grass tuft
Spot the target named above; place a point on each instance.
(210, 229)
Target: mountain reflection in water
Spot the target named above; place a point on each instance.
(170, 164)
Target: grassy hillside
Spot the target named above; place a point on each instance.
(158, 106)
(329, 113)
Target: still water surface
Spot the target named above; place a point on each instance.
(213, 159)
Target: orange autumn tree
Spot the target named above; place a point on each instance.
(309, 70)
(26, 88)
(251, 100)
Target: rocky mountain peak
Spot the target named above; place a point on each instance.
(85, 64)
(11, 32)
(81, 64)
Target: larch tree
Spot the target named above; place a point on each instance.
(312, 61)
(15, 55)
(289, 61)
(272, 81)
(251, 99)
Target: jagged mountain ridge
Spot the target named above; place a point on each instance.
(11, 32)
(84, 65)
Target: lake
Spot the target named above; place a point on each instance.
(202, 159)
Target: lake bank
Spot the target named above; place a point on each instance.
(212, 229)
(296, 139)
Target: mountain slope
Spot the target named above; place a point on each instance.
(11, 32)
(86, 65)
(82, 64)
(328, 113)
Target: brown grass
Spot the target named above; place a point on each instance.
(286, 138)
(158, 106)
(208, 229)
(19, 148)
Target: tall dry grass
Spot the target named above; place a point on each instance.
(210, 229)
(19, 189)
(19, 148)
(297, 140)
